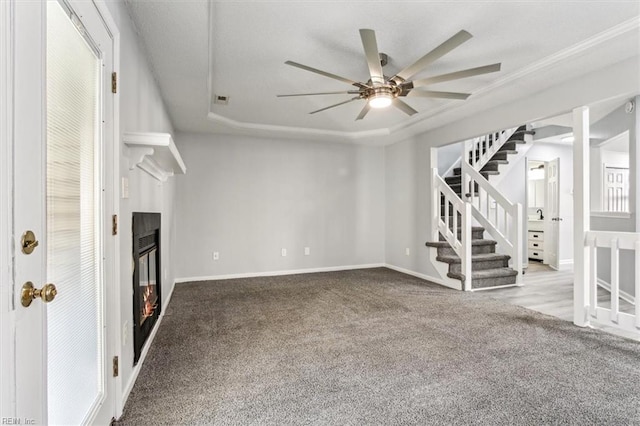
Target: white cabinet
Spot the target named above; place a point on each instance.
(536, 193)
(535, 244)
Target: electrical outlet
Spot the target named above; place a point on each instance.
(216, 255)
(284, 252)
(307, 251)
(166, 274)
(407, 251)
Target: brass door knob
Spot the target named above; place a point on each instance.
(29, 293)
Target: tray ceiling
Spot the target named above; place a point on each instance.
(199, 49)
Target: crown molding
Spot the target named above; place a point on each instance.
(413, 125)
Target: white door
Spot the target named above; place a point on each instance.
(62, 115)
(553, 219)
(616, 189)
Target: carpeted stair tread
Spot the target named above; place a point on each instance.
(511, 145)
(473, 229)
(474, 258)
(498, 161)
(500, 155)
(439, 244)
(457, 172)
(485, 274)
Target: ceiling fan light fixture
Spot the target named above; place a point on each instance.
(381, 97)
(380, 101)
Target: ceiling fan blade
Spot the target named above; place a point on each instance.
(373, 56)
(326, 74)
(404, 107)
(349, 92)
(434, 94)
(364, 111)
(432, 56)
(457, 75)
(333, 106)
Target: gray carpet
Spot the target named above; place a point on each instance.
(375, 347)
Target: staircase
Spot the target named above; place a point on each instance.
(488, 268)
(492, 166)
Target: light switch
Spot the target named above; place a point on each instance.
(125, 187)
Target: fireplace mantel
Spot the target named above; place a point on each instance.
(155, 153)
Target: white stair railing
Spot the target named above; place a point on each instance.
(615, 241)
(454, 223)
(478, 151)
(501, 218)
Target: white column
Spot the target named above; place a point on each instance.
(581, 211)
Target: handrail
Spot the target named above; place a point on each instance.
(615, 241)
(499, 216)
(456, 232)
(478, 151)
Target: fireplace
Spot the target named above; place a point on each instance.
(146, 278)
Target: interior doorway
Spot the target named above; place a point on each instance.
(543, 213)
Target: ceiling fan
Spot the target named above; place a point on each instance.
(381, 91)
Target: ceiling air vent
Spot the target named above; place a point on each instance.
(221, 100)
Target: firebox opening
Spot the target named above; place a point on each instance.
(146, 277)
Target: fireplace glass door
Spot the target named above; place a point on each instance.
(148, 284)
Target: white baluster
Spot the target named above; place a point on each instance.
(455, 222)
(637, 296)
(446, 213)
(615, 280)
(593, 276)
(505, 230)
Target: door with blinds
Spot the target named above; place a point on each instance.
(62, 375)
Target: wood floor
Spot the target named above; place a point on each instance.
(551, 292)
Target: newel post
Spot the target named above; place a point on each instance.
(435, 196)
(517, 243)
(466, 246)
(581, 212)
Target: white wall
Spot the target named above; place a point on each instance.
(447, 155)
(408, 206)
(141, 109)
(613, 124)
(247, 198)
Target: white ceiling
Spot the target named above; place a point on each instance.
(238, 49)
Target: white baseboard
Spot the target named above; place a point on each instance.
(424, 277)
(276, 273)
(495, 287)
(623, 294)
(145, 349)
